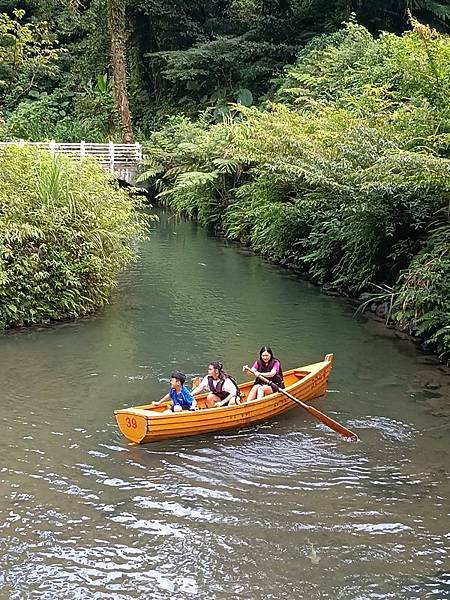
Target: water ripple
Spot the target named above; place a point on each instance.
(283, 510)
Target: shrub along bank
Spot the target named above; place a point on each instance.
(65, 233)
(347, 175)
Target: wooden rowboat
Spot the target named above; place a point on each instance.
(147, 423)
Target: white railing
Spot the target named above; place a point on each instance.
(110, 155)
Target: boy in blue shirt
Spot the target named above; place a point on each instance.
(179, 394)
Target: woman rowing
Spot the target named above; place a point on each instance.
(270, 367)
(223, 390)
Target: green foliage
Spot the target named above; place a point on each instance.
(344, 178)
(69, 95)
(377, 79)
(33, 120)
(424, 290)
(64, 117)
(95, 110)
(188, 166)
(65, 233)
(183, 57)
(200, 55)
(366, 202)
(439, 11)
(27, 55)
(389, 15)
(246, 10)
(260, 216)
(214, 73)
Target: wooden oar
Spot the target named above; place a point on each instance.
(326, 420)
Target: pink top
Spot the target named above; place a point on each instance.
(276, 366)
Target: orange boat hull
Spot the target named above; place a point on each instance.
(146, 423)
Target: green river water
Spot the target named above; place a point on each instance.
(283, 510)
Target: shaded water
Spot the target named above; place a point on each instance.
(284, 510)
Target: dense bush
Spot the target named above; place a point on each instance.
(28, 57)
(65, 116)
(194, 159)
(240, 68)
(422, 301)
(345, 176)
(65, 233)
(182, 57)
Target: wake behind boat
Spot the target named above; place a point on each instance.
(148, 423)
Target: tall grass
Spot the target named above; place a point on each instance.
(65, 233)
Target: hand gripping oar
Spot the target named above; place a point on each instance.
(328, 421)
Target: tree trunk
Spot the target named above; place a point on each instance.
(116, 24)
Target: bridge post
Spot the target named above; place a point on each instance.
(111, 157)
(138, 152)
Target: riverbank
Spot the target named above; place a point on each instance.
(375, 313)
(66, 232)
(346, 176)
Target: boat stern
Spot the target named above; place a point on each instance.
(133, 425)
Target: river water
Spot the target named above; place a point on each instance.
(287, 509)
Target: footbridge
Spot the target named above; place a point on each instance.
(120, 159)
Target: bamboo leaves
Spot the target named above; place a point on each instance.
(65, 233)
